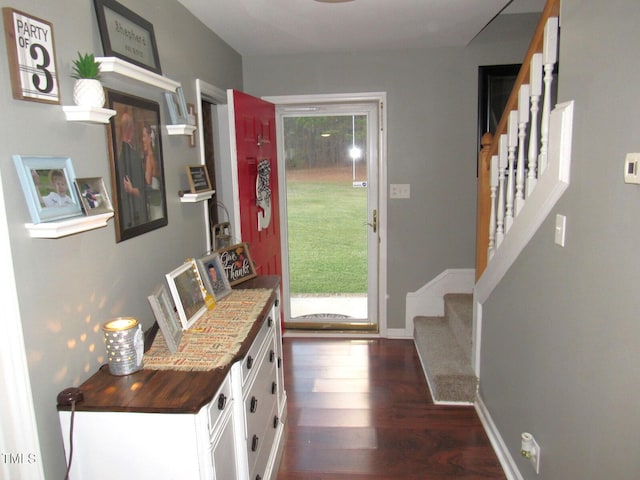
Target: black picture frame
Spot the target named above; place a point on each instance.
(127, 35)
(495, 83)
(137, 167)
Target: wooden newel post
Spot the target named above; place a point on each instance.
(483, 203)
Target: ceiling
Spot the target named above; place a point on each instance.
(266, 27)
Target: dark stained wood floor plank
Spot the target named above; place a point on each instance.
(360, 409)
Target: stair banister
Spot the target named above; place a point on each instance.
(551, 9)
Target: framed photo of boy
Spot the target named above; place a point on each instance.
(188, 291)
(213, 276)
(47, 183)
(167, 317)
(137, 167)
(93, 195)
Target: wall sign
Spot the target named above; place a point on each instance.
(237, 263)
(32, 59)
(127, 35)
(198, 178)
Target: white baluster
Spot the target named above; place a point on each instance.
(523, 119)
(549, 58)
(493, 185)
(502, 165)
(535, 84)
(512, 144)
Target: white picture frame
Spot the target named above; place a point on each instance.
(188, 293)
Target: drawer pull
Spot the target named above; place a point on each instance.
(270, 322)
(258, 477)
(275, 421)
(249, 362)
(274, 388)
(254, 443)
(222, 401)
(254, 405)
(277, 302)
(272, 356)
(279, 362)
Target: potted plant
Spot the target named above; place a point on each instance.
(87, 91)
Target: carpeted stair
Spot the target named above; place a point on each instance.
(444, 348)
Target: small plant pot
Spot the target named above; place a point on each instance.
(88, 92)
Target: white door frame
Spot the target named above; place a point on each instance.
(379, 98)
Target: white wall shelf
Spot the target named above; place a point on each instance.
(184, 129)
(121, 68)
(77, 113)
(68, 226)
(196, 197)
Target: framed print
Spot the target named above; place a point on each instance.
(127, 35)
(188, 293)
(137, 169)
(237, 263)
(213, 276)
(47, 183)
(198, 178)
(191, 120)
(93, 195)
(32, 57)
(177, 106)
(167, 317)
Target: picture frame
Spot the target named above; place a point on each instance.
(93, 195)
(165, 313)
(32, 57)
(47, 183)
(198, 178)
(213, 276)
(127, 35)
(188, 293)
(177, 106)
(137, 167)
(237, 263)
(191, 120)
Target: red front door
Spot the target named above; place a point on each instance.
(255, 125)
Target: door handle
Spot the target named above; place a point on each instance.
(374, 225)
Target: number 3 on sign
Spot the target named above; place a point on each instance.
(32, 60)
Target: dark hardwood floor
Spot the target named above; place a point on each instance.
(361, 409)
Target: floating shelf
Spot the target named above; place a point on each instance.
(68, 226)
(119, 67)
(196, 197)
(181, 129)
(76, 113)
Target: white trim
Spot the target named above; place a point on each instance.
(206, 91)
(380, 98)
(19, 432)
(428, 301)
(550, 187)
(500, 448)
(233, 200)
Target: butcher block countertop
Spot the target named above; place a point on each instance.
(168, 391)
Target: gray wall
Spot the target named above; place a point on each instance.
(68, 287)
(432, 112)
(560, 343)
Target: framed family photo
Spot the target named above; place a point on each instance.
(47, 183)
(213, 276)
(93, 195)
(127, 35)
(188, 293)
(137, 167)
(164, 311)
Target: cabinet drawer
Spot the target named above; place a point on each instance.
(263, 392)
(220, 403)
(250, 362)
(258, 462)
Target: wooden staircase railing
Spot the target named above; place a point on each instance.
(502, 190)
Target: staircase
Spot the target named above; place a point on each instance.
(444, 347)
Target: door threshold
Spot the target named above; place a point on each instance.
(332, 327)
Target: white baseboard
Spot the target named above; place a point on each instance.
(502, 452)
(428, 300)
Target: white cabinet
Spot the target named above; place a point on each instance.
(141, 426)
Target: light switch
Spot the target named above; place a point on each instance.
(561, 225)
(400, 190)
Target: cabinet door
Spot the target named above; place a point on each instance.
(224, 451)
